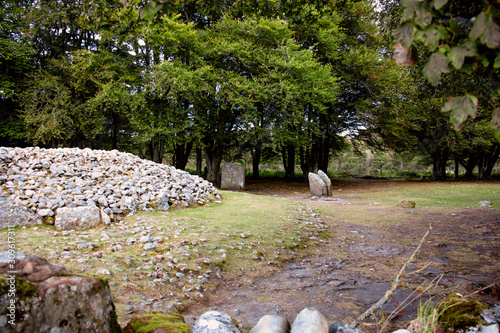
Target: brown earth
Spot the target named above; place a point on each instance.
(355, 267)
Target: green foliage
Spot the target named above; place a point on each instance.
(79, 98)
(442, 27)
(461, 108)
(24, 289)
(457, 313)
(154, 321)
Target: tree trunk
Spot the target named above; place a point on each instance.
(491, 161)
(182, 152)
(198, 161)
(469, 167)
(256, 155)
(324, 155)
(439, 166)
(213, 158)
(155, 150)
(456, 168)
(305, 160)
(288, 154)
(480, 167)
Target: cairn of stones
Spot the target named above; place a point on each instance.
(78, 184)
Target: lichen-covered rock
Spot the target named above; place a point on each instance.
(37, 296)
(232, 177)
(77, 218)
(17, 215)
(215, 322)
(157, 323)
(310, 320)
(316, 185)
(328, 183)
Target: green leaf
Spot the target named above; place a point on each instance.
(149, 10)
(404, 34)
(432, 35)
(438, 4)
(457, 54)
(437, 65)
(487, 29)
(497, 62)
(453, 25)
(461, 108)
(410, 9)
(423, 16)
(495, 92)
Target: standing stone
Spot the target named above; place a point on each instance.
(310, 320)
(271, 324)
(77, 218)
(324, 177)
(215, 322)
(49, 298)
(316, 185)
(17, 215)
(233, 177)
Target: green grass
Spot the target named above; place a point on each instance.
(440, 195)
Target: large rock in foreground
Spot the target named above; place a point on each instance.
(41, 297)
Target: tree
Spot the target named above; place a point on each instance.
(80, 101)
(16, 56)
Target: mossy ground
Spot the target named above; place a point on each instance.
(150, 322)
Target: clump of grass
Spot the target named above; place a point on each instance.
(427, 320)
(452, 314)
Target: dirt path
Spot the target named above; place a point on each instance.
(356, 266)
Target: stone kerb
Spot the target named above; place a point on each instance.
(233, 177)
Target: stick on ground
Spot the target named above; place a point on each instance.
(395, 285)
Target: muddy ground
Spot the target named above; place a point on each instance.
(354, 268)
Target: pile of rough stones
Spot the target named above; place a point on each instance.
(80, 184)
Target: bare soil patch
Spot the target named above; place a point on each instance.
(368, 245)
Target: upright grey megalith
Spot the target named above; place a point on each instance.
(233, 177)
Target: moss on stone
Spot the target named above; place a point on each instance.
(24, 289)
(459, 314)
(150, 322)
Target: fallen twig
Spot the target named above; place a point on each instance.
(395, 285)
